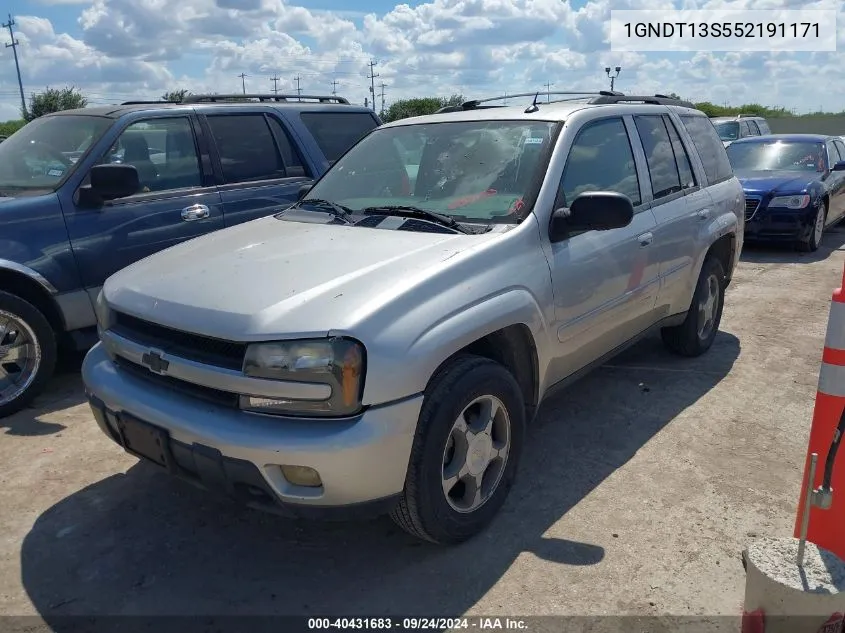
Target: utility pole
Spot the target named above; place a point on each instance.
(548, 91)
(612, 77)
(14, 47)
(372, 77)
(243, 77)
(382, 85)
(298, 89)
(275, 81)
(334, 87)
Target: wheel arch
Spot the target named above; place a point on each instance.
(34, 289)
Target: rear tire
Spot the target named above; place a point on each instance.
(811, 243)
(442, 501)
(695, 335)
(27, 353)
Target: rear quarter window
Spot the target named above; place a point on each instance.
(764, 127)
(717, 167)
(336, 132)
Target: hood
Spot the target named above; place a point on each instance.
(787, 182)
(272, 277)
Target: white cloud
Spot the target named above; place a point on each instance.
(122, 49)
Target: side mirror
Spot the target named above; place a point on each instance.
(114, 181)
(303, 190)
(840, 166)
(592, 211)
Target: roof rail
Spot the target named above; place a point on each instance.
(159, 102)
(475, 104)
(654, 99)
(264, 97)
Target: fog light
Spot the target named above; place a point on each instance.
(302, 476)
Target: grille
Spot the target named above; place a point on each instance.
(215, 396)
(751, 205)
(202, 349)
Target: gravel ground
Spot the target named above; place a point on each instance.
(637, 492)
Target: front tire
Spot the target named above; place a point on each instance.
(695, 335)
(465, 453)
(811, 243)
(27, 353)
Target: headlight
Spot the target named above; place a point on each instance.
(790, 202)
(102, 312)
(336, 362)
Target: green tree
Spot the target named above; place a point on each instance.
(54, 100)
(10, 127)
(419, 106)
(176, 96)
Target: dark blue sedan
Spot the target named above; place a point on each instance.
(794, 186)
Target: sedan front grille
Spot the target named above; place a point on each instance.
(195, 347)
(751, 206)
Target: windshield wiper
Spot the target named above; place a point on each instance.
(337, 210)
(415, 212)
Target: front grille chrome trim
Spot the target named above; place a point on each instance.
(752, 203)
(213, 377)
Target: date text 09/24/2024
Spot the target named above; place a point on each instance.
(793, 30)
(416, 624)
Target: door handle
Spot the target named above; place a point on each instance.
(645, 239)
(195, 212)
(703, 214)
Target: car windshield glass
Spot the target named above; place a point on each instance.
(778, 155)
(728, 131)
(44, 152)
(481, 171)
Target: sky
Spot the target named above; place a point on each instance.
(118, 50)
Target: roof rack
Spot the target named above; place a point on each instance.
(265, 97)
(475, 104)
(653, 99)
(158, 102)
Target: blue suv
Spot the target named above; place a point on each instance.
(84, 193)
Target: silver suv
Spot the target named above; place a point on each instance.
(382, 344)
(732, 128)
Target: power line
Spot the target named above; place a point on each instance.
(275, 81)
(243, 77)
(14, 46)
(372, 77)
(298, 89)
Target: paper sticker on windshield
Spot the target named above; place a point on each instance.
(55, 172)
(533, 141)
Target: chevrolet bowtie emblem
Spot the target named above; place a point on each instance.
(155, 363)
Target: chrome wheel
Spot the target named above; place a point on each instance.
(20, 356)
(818, 228)
(708, 307)
(476, 453)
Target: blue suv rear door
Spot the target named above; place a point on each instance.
(257, 163)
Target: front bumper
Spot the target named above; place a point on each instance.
(780, 224)
(361, 461)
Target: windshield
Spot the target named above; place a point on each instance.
(469, 170)
(42, 153)
(728, 130)
(777, 155)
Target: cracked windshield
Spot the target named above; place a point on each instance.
(469, 170)
(40, 155)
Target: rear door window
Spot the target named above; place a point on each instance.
(246, 147)
(659, 155)
(336, 132)
(681, 155)
(294, 165)
(755, 131)
(717, 167)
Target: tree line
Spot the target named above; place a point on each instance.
(70, 98)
